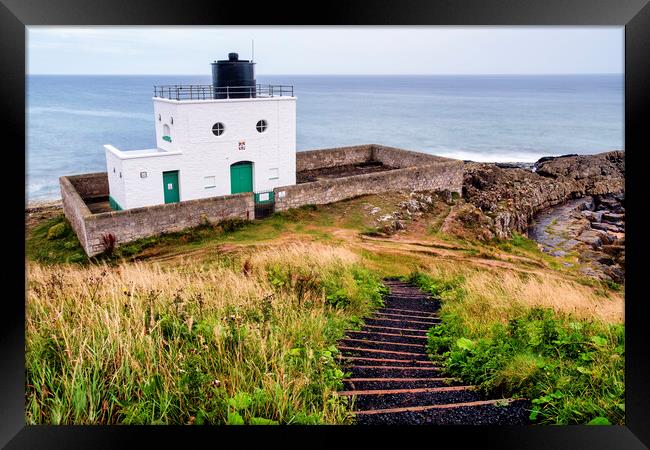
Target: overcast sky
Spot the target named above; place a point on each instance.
(327, 50)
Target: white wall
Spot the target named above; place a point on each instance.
(200, 156)
(167, 112)
(149, 191)
(197, 153)
(287, 139)
(115, 182)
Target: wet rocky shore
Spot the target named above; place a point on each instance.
(508, 198)
(591, 228)
(568, 204)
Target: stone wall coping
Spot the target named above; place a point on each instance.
(414, 153)
(85, 175)
(333, 149)
(373, 148)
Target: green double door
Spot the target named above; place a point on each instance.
(170, 186)
(241, 177)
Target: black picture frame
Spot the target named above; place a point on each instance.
(15, 15)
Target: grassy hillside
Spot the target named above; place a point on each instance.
(236, 322)
(238, 341)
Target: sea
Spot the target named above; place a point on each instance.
(490, 118)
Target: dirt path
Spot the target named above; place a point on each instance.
(393, 379)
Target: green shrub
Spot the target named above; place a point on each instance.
(135, 247)
(232, 224)
(77, 257)
(571, 370)
(54, 241)
(295, 214)
(355, 289)
(523, 243)
(372, 232)
(57, 231)
(439, 287)
(614, 286)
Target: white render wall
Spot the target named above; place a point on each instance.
(197, 153)
(149, 191)
(115, 181)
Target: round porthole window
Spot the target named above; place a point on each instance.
(218, 129)
(261, 126)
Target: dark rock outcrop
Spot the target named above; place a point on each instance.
(511, 197)
(583, 167)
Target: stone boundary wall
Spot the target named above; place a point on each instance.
(415, 172)
(430, 173)
(340, 156)
(75, 209)
(136, 223)
(343, 156)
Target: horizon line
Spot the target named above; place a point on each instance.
(336, 74)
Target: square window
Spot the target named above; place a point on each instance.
(143, 174)
(274, 174)
(209, 182)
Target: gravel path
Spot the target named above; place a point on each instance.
(393, 379)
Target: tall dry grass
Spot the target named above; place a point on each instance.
(493, 295)
(195, 344)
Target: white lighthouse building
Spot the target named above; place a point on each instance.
(225, 138)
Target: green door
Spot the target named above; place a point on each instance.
(241, 177)
(170, 186)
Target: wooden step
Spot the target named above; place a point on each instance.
(407, 391)
(436, 369)
(401, 380)
(429, 407)
(378, 313)
(377, 333)
(408, 293)
(374, 350)
(407, 310)
(407, 321)
(420, 330)
(365, 358)
(383, 342)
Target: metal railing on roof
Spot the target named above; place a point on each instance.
(209, 92)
